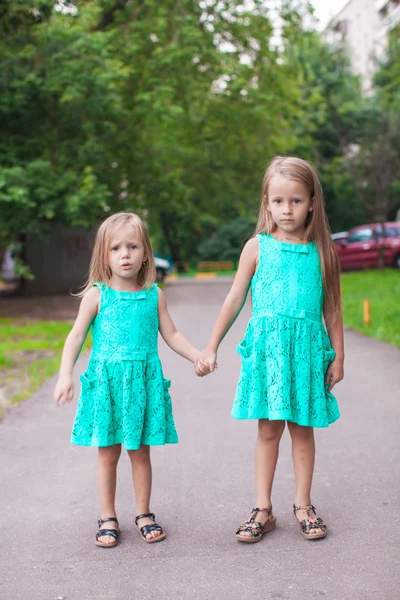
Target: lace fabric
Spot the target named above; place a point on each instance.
(125, 397)
(286, 350)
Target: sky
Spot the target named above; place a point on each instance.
(325, 9)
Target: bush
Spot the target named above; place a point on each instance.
(227, 242)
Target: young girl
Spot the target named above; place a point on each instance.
(289, 364)
(124, 397)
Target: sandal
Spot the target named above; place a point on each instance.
(114, 533)
(146, 529)
(308, 524)
(255, 528)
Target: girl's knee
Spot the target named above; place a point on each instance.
(300, 432)
(269, 431)
(109, 455)
(142, 454)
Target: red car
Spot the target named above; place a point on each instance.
(360, 248)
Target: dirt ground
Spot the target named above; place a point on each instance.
(49, 308)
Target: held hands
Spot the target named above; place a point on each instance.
(334, 373)
(206, 363)
(64, 390)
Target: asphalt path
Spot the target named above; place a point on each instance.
(203, 489)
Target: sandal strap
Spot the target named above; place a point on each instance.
(145, 516)
(107, 532)
(307, 525)
(146, 529)
(101, 521)
(306, 507)
(254, 528)
(254, 512)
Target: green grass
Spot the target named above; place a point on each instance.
(30, 353)
(382, 289)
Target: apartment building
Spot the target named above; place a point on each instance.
(364, 25)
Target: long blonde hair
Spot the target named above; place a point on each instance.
(99, 270)
(316, 227)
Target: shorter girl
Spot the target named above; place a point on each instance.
(289, 364)
(124, 397)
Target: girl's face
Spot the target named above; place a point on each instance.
(126, 254)
(289, 203)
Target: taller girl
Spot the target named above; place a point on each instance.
(289, 364)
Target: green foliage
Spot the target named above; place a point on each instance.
(376, 166)
(227, 242)
(171, 109)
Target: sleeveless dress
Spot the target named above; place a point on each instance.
(286, 350)
(124, 396)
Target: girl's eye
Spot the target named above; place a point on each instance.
(133, 246)
(297, 201)
(115, 248)
(278, 200)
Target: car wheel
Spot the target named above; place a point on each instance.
(160, 274)
(397, 262)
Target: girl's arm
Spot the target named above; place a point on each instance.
(64, 390)
(334, 326)
(171, 335)
(234, 301)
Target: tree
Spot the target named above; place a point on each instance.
(330, 116)
(376, 165)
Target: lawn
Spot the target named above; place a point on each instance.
(382, 289)
(30, 353)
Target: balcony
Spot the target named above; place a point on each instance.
(381, 4)
(390, 21)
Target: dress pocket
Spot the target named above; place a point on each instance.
(87, 383)
(329, 355)
(167, 397)
(244, 349)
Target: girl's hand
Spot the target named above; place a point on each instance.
(334, 373)
(210, 357)
(64, 390)
(201, 367)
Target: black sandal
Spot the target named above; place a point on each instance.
(307, 524)
(146, 529)
(114, 533)
(255, 528)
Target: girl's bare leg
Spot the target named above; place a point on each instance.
(142, 478)
(108, 458)
(303, 453)
(265, 459)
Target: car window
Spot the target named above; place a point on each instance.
(361, 235)
(392, 231)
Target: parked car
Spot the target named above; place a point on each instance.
(337, 237)
(162, 268)
(360, 248)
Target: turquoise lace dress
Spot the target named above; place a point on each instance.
(124, 396)
(286, 350)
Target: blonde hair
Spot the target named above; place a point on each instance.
(99, 270)
(316, 227)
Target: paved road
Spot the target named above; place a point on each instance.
(204, 488)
